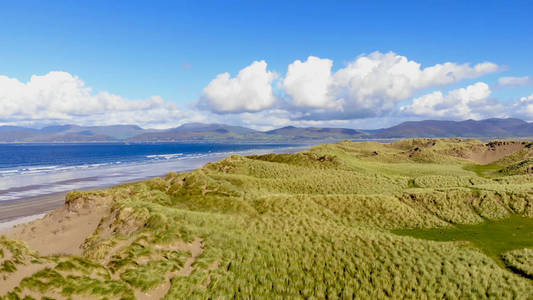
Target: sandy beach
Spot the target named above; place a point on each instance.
(15, 209)
(5, 227)
(46, 192)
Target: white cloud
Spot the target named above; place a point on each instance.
(515, 81)
(471, 102)
(276, 118)
(308, 83)
(523, 107)
(59, 97)
(369, 86)
(250, 91)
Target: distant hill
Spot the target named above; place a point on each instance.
(11, 134)
(199, 132)
(16, 128)
(221, 132)
(69, 133)
(196, 132)
(317, 133)
(469, 128)
(112, 132)
(525, 130)
(201, 127)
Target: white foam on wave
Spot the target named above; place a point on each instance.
(35, 170)
(164, 156)
(7, 172)
(52, 169)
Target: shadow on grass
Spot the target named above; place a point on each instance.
(492, 237)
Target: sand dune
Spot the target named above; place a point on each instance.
(290, 223)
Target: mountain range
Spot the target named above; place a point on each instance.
(198, 132)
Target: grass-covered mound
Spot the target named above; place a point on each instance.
(317, 224)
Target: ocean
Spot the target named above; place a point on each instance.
(29, 170)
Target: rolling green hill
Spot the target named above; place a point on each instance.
(339, 221)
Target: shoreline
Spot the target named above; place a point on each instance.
(27, 209)
(11, 210)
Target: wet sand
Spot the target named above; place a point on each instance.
(10, 210)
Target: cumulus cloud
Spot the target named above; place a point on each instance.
(308, 83)
(515, 81)
(59, 97)
(523, 107)
(471, 102)
(369, 86)
(251, 90)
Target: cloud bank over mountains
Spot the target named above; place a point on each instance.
(370, 86)
(310, 92)
(59, 97)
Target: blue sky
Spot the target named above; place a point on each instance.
(140, 49)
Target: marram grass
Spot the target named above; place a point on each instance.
(319, 224)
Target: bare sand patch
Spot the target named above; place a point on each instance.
(6, 226)
(495, 151)
(13, 209)
(63, 230)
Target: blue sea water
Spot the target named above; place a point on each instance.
(28, 170)
(13, 156)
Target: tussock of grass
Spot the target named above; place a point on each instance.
(520, 260)
(519, 168)
(14, 253)
(51, 281)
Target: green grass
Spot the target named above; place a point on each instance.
(486, 171)
(493, 237)
(320, 224)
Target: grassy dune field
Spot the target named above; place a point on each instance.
(420, 218)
